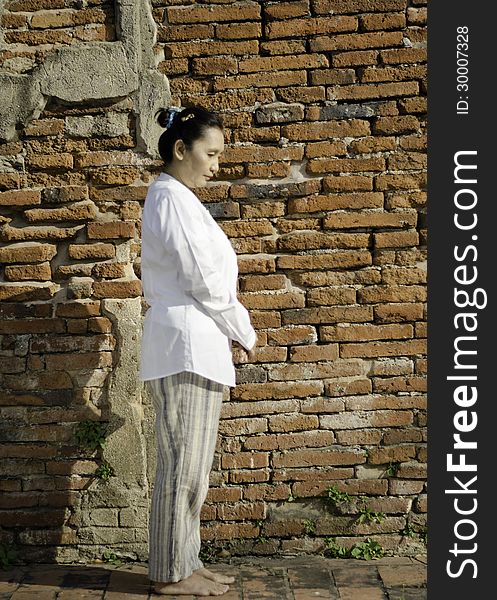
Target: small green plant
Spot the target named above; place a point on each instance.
(207, 550)
(408, 530)
(7, 556)
(91, 435)
(369, 516)
(334, 550)
(291, 497)
(392, 469)
(261, 538)
(310, 526)
(111, 558)
(367, 550)
(104, 471)
(335, 496)
(424, 537)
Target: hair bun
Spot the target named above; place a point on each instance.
(166, 117)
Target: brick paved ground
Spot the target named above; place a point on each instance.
(290, 578)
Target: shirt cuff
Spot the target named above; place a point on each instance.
(249, 343)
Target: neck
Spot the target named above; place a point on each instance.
(170, 170)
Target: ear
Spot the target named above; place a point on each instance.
(179, 149)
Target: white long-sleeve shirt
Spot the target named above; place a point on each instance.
(189, 274)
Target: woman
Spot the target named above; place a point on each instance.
(189, 276)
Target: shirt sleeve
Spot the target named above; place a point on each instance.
(185, 238)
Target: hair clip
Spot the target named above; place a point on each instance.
(186, 117)
(173, 111)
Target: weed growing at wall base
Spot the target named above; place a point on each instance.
(7, 556)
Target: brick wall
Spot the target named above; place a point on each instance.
(321, 192)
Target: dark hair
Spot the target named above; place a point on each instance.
(188, 124)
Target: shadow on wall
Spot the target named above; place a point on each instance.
(74, 468)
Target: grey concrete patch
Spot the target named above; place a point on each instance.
(94, 71)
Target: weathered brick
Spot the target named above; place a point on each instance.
(404, 181)
(286, 10)
(371, 90)
(80, 211)
(348, 183)
(310, 26)
(345, 165)
(20, 198)
(357, 6)
(208, 48)
(398, 312)
(184, 33)
(262, 79)
(342, 333)
(395, 125)
(97, 250)
(212, 66)
(38, 272)
(291, 335)
(27, 252)
(383, 21)
(352, 41)
(15, 292)
(403, 73)
(204, 14)
(275, 63)
(324, 149)
(355, 58)
(403, 55)
(8, 233)
(396, 239)
(325, 130)
(278, 47)
(117, 289)
(238, 31)
(370, 220)
(110, 230)
(316, 239)
(365, 350)
(338, 259)
(305, 95)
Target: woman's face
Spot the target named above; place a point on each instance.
(196, 166)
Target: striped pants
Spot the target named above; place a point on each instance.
(187, 409)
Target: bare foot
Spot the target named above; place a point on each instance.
(195, 585)
(215, 576)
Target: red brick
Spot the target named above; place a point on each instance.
(27, 252)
